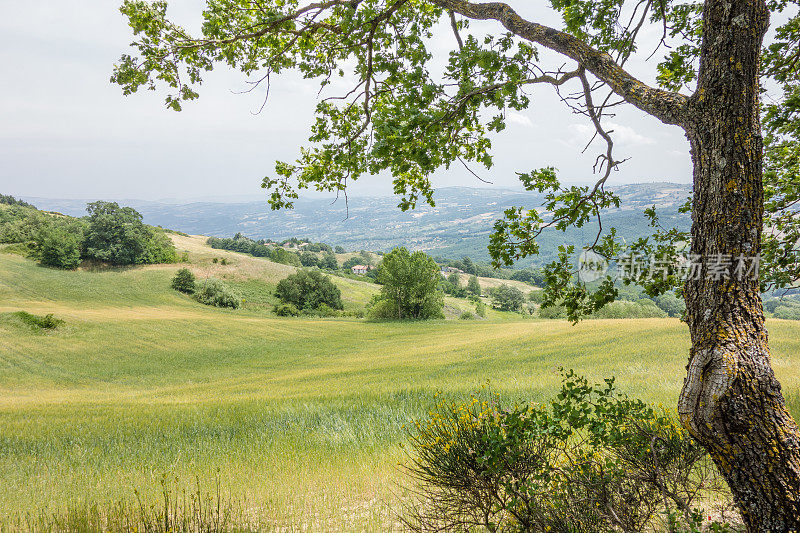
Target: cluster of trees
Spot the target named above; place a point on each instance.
(260, 248)
(6, 199)
(786, 307)
(307, 254)
(110, 234)
(485, 270)
(452, 285)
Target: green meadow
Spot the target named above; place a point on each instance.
(298, 421)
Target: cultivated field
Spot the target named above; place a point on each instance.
(300, 421)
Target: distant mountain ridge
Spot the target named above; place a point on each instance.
(459, 224)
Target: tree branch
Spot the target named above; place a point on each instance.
(668, 107)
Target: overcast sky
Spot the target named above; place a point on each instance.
(68, 133)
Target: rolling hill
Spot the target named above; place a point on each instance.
(459, 224)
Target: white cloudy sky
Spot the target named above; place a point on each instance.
(67, 132)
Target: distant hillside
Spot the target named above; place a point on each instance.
(459, 225)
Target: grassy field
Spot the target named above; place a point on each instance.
(300, 420)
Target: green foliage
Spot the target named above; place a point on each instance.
(328, 261)
(552, 312)
(117, 235)
(473, 286)
(184, 281)
(7, 199)
(624, 309)
(671, 304)
(20, 224)
(214, 292)
(286, 310)
(452, 285)
(536, 297)
(410, 286)
(507, 298)
(787, 312)
(47, 321)
(591, 460)
(308, 289)
(59, 245)
(466, 315)
(480, 308)
(324, 311)
(308, 259)
(532, 277)
(339, 250)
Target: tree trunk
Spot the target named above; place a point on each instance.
(731, 401)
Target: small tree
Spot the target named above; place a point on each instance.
(507, 298)
(184, 281)
(473, 287)
(308, 289)
(410, 285)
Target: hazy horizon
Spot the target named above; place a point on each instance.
(70, 133)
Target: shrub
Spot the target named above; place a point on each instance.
(184, 281)
(380, 309)
(324, 311)
(592, 460)
(59, 246)
(286, 310)
(480, 309)
(214, 292)
(466, 315)
(41, 322)
(308, 289)
(507, 298)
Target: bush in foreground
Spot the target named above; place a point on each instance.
(184, 281)
(592, 460)
(214, 292)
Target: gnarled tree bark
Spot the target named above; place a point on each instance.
(731, 401)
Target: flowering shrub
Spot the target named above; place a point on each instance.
(591, 460)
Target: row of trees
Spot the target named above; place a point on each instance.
(110, 234)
